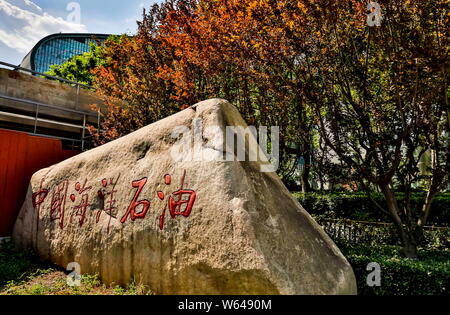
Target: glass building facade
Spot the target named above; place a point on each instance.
(57, 49)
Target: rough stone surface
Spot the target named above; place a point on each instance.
(246, 234)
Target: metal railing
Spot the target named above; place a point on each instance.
(38, 106)
(18, 68)
(355, 232)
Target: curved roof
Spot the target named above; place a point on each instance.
(29, 60)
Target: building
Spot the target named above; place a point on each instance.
(57, 49)
(42, 122)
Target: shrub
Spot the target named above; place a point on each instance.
(430, 275)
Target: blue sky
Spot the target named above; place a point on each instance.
(24, 22)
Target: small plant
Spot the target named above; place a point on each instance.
(38, 289)
(132, 289)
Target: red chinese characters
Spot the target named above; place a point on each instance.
(132, 209)
(175, 204)
(109, 201)
(80, 209)
(58, 203)
(179, 203)
(38, 199)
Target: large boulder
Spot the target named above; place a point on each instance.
(137, 208)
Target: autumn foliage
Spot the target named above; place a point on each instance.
(363, 104)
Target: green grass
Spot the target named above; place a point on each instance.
(21, 273)
(18, 265)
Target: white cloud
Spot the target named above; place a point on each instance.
(26, 5)
(23, 24)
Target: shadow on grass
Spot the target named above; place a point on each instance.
(17, 266)
(22, 273)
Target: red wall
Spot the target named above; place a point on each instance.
(21, 155)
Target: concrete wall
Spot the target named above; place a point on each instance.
(25, 86)
(21, 85)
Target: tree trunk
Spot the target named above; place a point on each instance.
(426, 208)
(407, 238)
(432, 191)
(304, 178)
(424, 213)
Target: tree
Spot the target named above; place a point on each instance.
(130, 84)
(188, 51)
(79, 68)
(373, 100)
(242, 51)
(379, 95)
(381, 101)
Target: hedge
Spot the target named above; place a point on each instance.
(357, 206)
(430, 275)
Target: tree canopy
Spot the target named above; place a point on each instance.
(362, 104)
(79, 68)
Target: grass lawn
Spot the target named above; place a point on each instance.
(21, 273)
